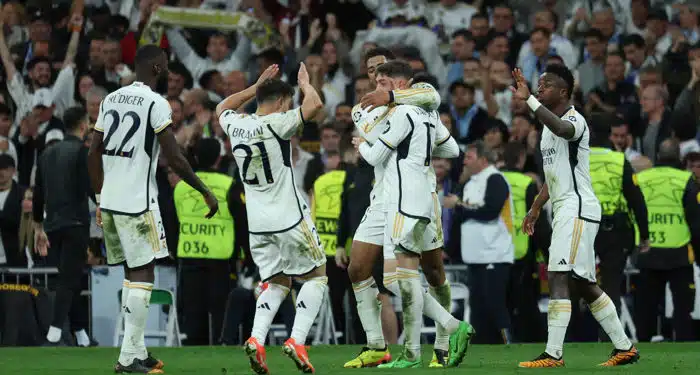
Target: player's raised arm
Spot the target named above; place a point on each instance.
(402, 123)
(559, 127)
(237, 100)
(312, 101)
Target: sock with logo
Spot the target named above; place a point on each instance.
(391, 283)
(266, 308)
(558, 316)
(82, 338)
(412, 303)
(443, 295)
(309, 302)
(369, 308)
(604, 312)
(54, 334)
(125, 292)
(136, 308)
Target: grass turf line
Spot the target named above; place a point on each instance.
(657, 359)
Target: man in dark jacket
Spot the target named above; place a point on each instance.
(62, 191)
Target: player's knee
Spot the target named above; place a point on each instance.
(435, 276)
(558, 285)
(357, 272)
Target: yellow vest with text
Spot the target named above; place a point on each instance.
(325, 208)
(607, 167)
(518, 190)
(200, 237)
(663, 189)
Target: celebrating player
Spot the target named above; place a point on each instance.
(405, 149)
(124, 144)
(576, 216)
(369, 117)
(283, 239)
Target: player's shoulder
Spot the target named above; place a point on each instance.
(423, 85)
(229, 115)
(574, 116)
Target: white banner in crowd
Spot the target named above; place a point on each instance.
(261, 34)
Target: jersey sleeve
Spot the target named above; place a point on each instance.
(99, 123)
(577, 121)
(161, 115)
(398, 128)
(285, 124)
(227, 117)
(420, 94)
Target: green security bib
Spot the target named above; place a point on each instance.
(518, 190)
(200, 237)
(325, 210)
(663, 189)
(607, 167)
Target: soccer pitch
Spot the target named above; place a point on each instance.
(580, 359)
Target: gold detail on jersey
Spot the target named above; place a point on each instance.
(410, 92)
(398, 225)
(575, 240)
(153, 231)
(316, 252)
(369, 125)
(162, 127)
(388, 144)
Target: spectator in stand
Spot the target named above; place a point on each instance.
(548, 20)
(497, 48)
(114, 69)
(534, 62)
(470, 119)
(636, 56)
(639, 13)
(614, 95)
(7, 146)
(503, 21)
(363, 86)
(234, 82)
(451, 15)
(179, 79)
(178, 116)
(688, 19)
(685, 131)
(692, 163)
(463, 48)
(622, 140)
(658, 126)
(658, 32)
(213, 82)
(591, 73)
(479, 27)
(501, 80)
(11, 196)
(688, 102)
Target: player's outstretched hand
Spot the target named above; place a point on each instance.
(303, 75)
(212, 203)
(520, 89)
(529, 222)
(268, 73)
(375, 99)
(357, 141)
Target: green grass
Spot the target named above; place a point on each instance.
(657, 359)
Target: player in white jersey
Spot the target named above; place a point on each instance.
(132, 125)
(283, 238)
(576, 216)
(406, 149)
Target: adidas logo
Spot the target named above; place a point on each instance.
(434, 240)
(301, 305)
(127, 310)
(264, 306)
(562, 262)
(374, 286)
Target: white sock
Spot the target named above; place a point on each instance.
(369, 308)
(412, 303)
(125, 292)
(267, 305)
(390, 282)
(604, 312)
(443, 295)
(54, 334)
(137, 302)
(309, 302)
(82, 338)
(558, 317)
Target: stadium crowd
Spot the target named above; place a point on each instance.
(637, 69)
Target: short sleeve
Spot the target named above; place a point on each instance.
(285, 124)
(99, 126)
(578, 122)
(227, 118)
(161, 115)
(442, 134)
(398, 128)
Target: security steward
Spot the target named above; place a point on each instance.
(615, 185)
(62, 222)
(673, 201)
(524, 288)
(206, 247)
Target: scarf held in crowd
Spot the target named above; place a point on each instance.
(260, 33)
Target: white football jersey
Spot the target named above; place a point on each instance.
(442, 135)
(129, 120)
(566, 166)
(411, 134)
(263, 153)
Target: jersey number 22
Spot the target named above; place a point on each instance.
(135, 124)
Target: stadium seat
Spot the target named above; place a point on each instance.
(171, 334)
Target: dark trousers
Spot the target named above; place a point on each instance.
(204, 288)
(338, 285)
(523, 294)
(488, 284)
(612, 249)
(68, 252)
(649, 297)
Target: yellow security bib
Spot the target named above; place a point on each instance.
(200, 237)
(518, 190)
(325, 208)
(663, 189)
(607, 167)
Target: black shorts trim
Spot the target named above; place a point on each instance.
(115, 212)
(279, 231)
(589, 220)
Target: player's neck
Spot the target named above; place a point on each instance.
(560, 108)
(148, 81)
(265, 109)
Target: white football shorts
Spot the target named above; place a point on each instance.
(572, 247)
(136, 240)
(294, 252)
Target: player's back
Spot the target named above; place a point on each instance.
(263, 153)
(566, 165)
(411, 133)
(130, 119)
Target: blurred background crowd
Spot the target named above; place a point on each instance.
(636, 64)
